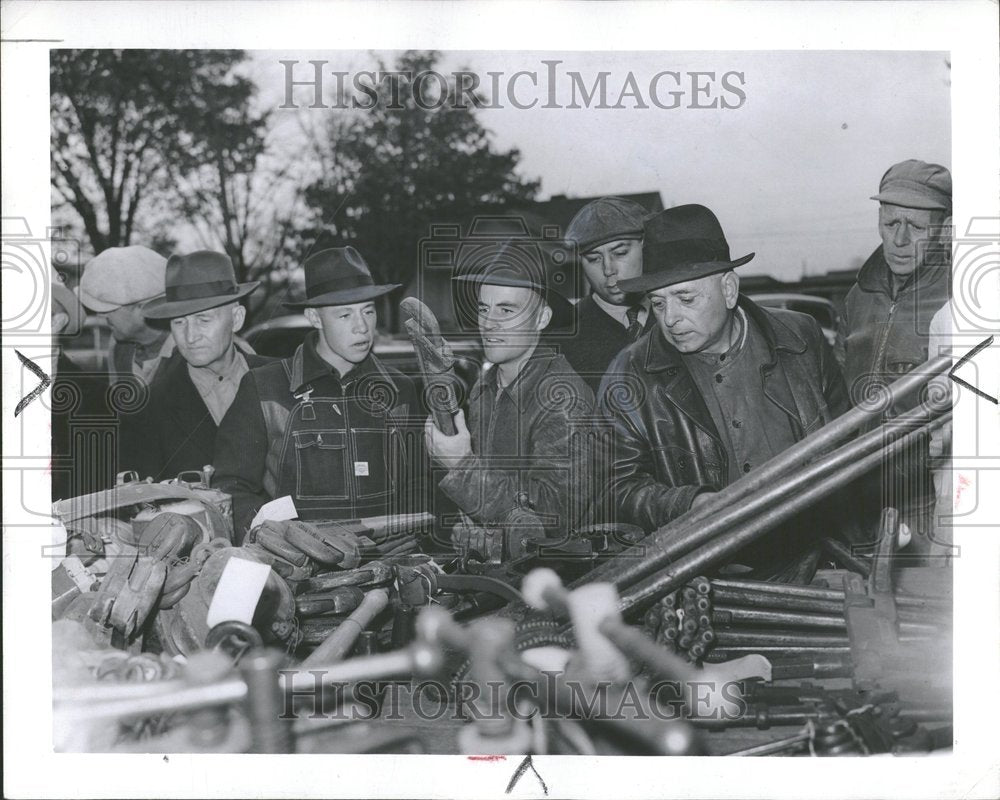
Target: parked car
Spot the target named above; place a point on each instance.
(280, 336)
(819, 308)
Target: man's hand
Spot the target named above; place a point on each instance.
(448, 450)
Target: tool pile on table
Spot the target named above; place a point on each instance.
(170, 638)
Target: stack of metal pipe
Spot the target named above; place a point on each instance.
(746, 510)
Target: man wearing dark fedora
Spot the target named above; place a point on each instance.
(519, 448)
(607, 235)
(719, 386)
(324, 425)
(176, 432)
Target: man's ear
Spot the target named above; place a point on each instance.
(239, 317)
(60, 319)
(544, 318)
(730, 288)
(313, 316)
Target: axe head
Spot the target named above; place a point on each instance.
(423, 329)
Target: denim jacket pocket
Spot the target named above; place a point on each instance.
(321, 468)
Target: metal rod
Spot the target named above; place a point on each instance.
(796, 651)
(763, 600)
(270, 728)
(342, 639)
(782, 589)
(711, 553)
(767, 485)
(750, 638)
(842, 554)
(795, 742)
(734, 615)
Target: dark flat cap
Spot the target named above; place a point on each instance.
(605, 220)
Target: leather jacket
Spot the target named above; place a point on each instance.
(666, 446)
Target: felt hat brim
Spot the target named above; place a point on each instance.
(674, 274)
(161, 308)
(360, 294)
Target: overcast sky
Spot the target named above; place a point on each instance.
(788, 173)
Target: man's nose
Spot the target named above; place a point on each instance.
(902, 235)
(360, 324)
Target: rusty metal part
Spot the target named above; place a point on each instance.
(751, 638)
(723, 546)
(374, 573)
(342, 600)
(234, 639)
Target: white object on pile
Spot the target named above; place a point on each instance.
(278, 510)
(238, 592)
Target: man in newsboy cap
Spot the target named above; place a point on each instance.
(716, 388)
(115, 284)
(899, 289)
(607, 234)
(904, 281)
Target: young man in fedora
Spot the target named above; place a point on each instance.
(202, 307)
(518, 448)
(323, 425)
(607, 234)
(719, 386)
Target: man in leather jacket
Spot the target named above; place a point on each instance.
(718, 387)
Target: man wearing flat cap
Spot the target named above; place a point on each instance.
(324, 425)
(518, 449)
(718, 387)
(607, 234)
(905, 281)
(899, 289)
(202, 305)
(115, 284)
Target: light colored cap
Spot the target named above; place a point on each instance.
(916, 184)
(119, 276)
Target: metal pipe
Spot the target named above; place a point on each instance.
(270, 730)
(783, 589)
(755, 491)
(734, 615)
(842, 554)
(697, 561)
(729, 653)
(751, 638)
(754, 599)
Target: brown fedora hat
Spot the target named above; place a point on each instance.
(338, 277)
(682, 244)
(197, 282)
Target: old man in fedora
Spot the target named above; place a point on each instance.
(324, 425)
(195, 389)
(719, 386)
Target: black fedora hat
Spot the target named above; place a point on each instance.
(197, 282)
(682, 244)
(519, 263)
(338, 277)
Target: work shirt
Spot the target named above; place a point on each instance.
(218, 389)
(752, 428)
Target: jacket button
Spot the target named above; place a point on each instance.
(746, 467)
(737, 423)
(718, 379)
